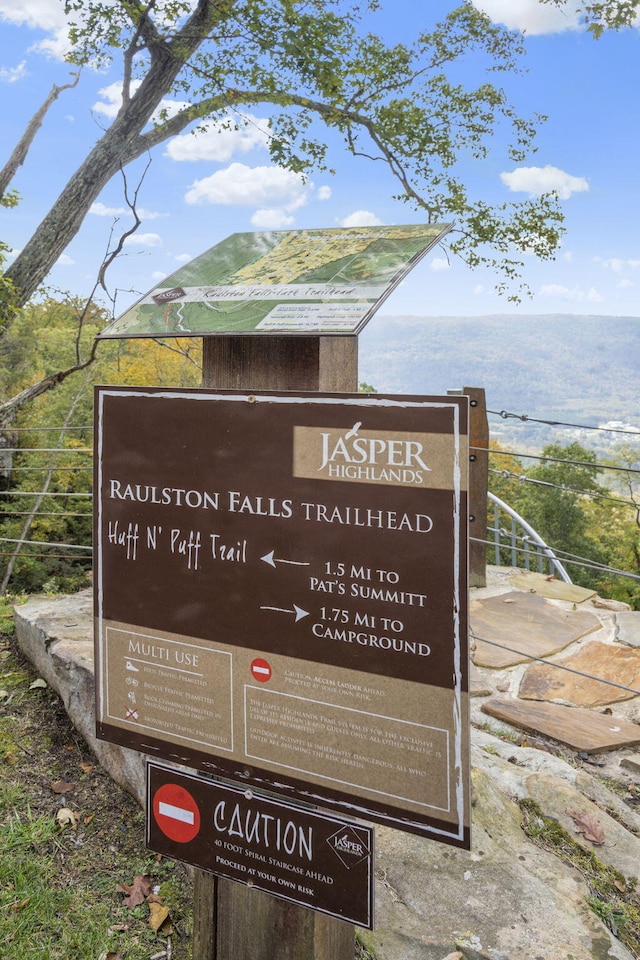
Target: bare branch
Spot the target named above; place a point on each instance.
(9, 407)
(23, 146)
(181, 351)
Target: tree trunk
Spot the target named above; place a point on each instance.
(116, 148)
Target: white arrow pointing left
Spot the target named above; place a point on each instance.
(271, 559)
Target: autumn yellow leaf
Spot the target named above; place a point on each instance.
(158, 913)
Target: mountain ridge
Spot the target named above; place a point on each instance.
(576, 369)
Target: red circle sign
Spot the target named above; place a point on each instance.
(176, 813)
(261, 670)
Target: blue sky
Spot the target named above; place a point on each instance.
(198, 191)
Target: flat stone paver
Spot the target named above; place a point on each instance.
(513, 627)
(582, 730)
(628, 624)
(551, 588)
(616, 664)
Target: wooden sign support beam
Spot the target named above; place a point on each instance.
(232, 921)
(478, 483)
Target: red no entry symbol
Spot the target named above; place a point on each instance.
(261, 670)
(176, 813)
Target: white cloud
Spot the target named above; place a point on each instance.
(537, 180)
(624, 284)
(571, 293)
(440, 263)
(183, 257)
(41, 15)
(111, 101)
(144, 240)
(324, 193)
(12, 74)
(593, 296)
(99, 209)
(265, 188)
(65, 261)
(272, 219)
(158, 275)
(361, 218)
(478, 289)
(617, 265)
(221, 141)
(530, 16)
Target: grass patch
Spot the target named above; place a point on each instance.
(613, 897)
(58, 880)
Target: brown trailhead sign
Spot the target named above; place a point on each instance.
(281, 594)
(316, 860)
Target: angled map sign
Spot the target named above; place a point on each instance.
(324, 281)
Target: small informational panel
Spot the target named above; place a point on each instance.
(281, 594)
(323, 281)
(314, 859)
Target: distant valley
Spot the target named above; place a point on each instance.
(563, 367)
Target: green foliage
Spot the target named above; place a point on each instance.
(562, 499)
(601, 15)
(9, 199)
(315, 65)
(48, 498)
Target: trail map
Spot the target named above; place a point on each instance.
(325, 281)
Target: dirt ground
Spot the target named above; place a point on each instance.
(47, 770)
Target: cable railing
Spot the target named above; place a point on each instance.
(510, 540)
(508, 531)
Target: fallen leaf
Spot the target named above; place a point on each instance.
(86, 767)
(87, 820)
(67, 818)
(586, 825)
(61, 786)
(157, 915)
(38, 684)
(137, 892)
(4, 694)
(21, 905)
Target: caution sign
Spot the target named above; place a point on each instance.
(313, 859)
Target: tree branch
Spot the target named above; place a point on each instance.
(8, 408)
(23, 146)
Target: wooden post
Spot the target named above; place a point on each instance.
(478, 483)
(232, 921)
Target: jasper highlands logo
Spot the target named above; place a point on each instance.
(350, 845)
(354, 454)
